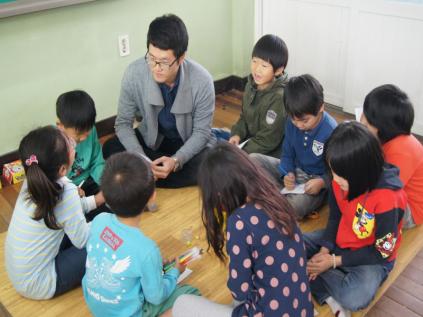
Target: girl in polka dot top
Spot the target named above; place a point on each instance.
(267, 268)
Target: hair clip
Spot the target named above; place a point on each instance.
(32, 159)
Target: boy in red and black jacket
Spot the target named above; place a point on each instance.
(350, 259)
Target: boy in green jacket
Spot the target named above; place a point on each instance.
(262, 120)
(76, 115)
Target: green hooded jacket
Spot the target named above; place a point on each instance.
(262, 118)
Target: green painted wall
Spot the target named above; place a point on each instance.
(242, 36)
(46, 53)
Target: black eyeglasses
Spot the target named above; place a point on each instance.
(162, 65)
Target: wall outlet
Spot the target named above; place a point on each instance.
(123, 43)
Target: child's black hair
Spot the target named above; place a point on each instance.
(303, 95)
(127, 184)
(272, 49)
(389, 110)
(355, 154)
(228, 177)
(43, 152)
(76, 109)
(168, 32)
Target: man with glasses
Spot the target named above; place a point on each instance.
(175, 98)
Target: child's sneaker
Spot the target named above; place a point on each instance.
(336, 308)
(152, 207)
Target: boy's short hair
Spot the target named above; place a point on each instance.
(355, 154)
(303, 95)
(76, 109)
(127, 184)
(272, 49)
(168, 32)
(389, 110)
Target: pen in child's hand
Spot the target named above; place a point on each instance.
(82, 183)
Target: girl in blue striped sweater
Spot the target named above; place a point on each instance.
(45, 246)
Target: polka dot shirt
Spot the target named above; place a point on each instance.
(267, 270)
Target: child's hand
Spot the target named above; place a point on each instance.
(314, 186)
(319, 263)
(81, 192)
(181, 267)
(99, 199)
(166, 262)
(289, 181)
(235, 139)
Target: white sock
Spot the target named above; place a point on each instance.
(337, 309)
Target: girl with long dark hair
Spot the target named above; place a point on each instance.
(267, 270)
(41, 260)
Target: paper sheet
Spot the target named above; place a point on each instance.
(298, 189)
(241, 145)
(184, 275)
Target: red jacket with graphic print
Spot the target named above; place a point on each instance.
(367, 229)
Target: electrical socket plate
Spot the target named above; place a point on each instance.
(123, 42)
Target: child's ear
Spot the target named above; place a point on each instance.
(59, 124)
(322, 107)
(279, 71)
(63, 170)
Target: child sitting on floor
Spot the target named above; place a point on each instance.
(124, 269)
(262, 119)
(306, 132)
(389, 114)
(45, 254)
(351, 258)
(76, 115)
(267, 268)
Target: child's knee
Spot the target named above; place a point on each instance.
(357, 298)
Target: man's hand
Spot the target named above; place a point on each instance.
(314, 186)
(289, 181)
(235, 139)
(163, 166)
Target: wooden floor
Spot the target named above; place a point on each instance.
(180, 209)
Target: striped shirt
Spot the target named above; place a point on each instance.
(31, 247)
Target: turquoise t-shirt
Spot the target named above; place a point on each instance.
(89, 160)
(123, 270)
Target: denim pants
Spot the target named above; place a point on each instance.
(352, 287)
(221, 134)
(70, 266)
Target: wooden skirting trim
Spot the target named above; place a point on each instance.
(228, 83)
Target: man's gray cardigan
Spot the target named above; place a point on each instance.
(193, 108)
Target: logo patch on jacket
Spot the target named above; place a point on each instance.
(111, 238)
(363, 222)
(317, 147)
(270, 117)
(386, 245)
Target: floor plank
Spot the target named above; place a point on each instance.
(406, 299)
(394, 309)
(410, 286)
